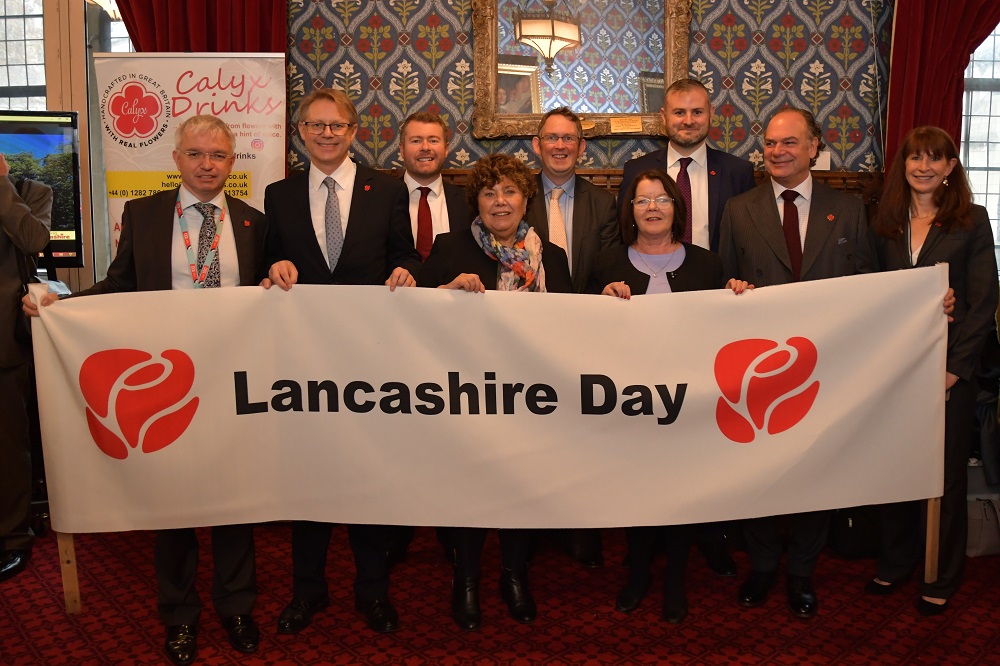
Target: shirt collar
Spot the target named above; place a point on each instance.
(341, 175)
(436, 187)
(187, 199)
(699, 156)
(568, 188)
(805, 188)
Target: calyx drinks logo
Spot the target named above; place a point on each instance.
(136, 401)
(765, 386)
(135, 109)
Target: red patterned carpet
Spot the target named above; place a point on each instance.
(577, 623)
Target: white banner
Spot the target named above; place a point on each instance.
(433, 407)
(144, 97)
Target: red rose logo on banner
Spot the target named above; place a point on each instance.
(764, 386)
(135, 111)
(134, 399)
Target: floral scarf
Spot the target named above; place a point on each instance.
(520, 266)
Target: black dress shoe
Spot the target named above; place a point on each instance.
(298, 614)
(514, 591)
(929, 608)
(12, 563)
(631, 596)
(675, 607)
(754, 590)
(801, 596)
(380, 615)
(881, 589)
(465, 603)
(718, 558)
(181, 645)
(243, 633)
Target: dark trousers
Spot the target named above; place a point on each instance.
(370, 544)
(901, 542)
(642, 546)
(15, 459)
(234, 578)
(516, 547)
(807, 534)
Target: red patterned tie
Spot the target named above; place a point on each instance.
(684, 185)
(425, 227)
(790, 225)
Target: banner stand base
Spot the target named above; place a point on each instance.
(70, 579)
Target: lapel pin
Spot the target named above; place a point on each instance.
(367, 187)
(712, 173)
(830, 217)
(246, 223)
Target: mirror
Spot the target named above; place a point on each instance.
(508, 93)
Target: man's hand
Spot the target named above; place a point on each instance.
(949, 304)
(400, 278)
(282, 273)
(30, 308)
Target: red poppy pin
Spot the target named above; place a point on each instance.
(367, 187)
(246, 223)
(830, 217)
(712, 172)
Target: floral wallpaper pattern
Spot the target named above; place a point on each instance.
(394, 57)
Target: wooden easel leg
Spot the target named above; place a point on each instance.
(70, 580)
(933, 539)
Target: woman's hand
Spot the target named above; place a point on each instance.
(949, 303)
(466, 282)
(283, 274)
(949, 380)
(400, 278)
(738, 286)
(619, 289)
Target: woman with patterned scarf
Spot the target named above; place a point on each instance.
(503, 253)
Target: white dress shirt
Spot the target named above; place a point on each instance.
(343, 179)
(698, 175)
(229, 264)
(435, 200)
(805, 190)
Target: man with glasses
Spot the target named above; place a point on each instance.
(338, 223)
(192, 237)
(580, 218)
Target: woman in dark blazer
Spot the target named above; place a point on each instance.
(653, 261)
(500, 252)
(926, 216)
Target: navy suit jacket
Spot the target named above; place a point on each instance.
(728, 176)
(144, 248)
(378, 237)
(595, 226)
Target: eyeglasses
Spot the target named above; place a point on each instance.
(198, 156)
(338, 129)
(643, 202)
(555, 138)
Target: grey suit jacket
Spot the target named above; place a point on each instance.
(595, 226)
(24, 230)
(752, 243)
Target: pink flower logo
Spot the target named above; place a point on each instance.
(134, 399)
(765, 386)
(135, 111)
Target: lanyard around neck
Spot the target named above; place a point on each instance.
(199, 280)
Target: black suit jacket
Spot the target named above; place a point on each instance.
(378, 237)
(701, 270)
(838, 240)
(460, 216)
(144, 248)
(728, 176)
(595, 226)
(458, 252)
(972, 273)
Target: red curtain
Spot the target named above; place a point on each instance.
(932, 43)
(206, 26)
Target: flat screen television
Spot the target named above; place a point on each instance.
(45, 146)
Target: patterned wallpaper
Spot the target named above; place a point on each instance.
(394, 57)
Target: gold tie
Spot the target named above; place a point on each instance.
(557, 226)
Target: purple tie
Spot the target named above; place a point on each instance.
(684, 185)
(790, 225)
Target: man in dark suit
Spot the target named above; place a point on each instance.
(786, 230)
(25, 218)
(712, 177)
(338, 223)
(155, 253)
(579, 217)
